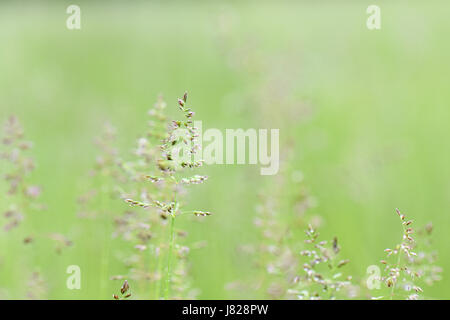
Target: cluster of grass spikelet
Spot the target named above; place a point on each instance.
(152, 182)
(314, 269)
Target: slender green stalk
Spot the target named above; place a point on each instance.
(171, 243)
(159, 268)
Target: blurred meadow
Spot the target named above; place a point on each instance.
(362, 116)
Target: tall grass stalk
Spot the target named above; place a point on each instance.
(169, 260)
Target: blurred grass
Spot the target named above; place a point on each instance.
(376, 139)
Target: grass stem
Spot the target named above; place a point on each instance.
(169, 259)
